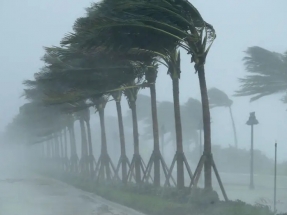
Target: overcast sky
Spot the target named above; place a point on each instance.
(27, 26)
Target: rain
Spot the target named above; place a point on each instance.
(143, 107)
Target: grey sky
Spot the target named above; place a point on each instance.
(27, 26)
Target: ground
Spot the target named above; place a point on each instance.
(237, 187)
(25, 193)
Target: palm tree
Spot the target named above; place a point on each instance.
(84, 143)
(174, 72)
(91, 158)
(123, 161)
(218, 98)
(74, 156)
(131, 94)
(267, 73)
(103, 165)
(167, 24)
(150, 76)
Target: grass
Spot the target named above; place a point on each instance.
(152, 201)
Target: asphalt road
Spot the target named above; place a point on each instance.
(28, 194)
(25, 193)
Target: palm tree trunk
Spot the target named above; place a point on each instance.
(61, 144)
(72, 149)
(57, 147)
(74, 156)
(206, 129)
(178, 130)
(155, 135)
(91, 157)
(53, 148)
(49, 149)
(104, 149)
(122, 141)
(136, 142)
(65, 144)
(84, 144)
(234, 128)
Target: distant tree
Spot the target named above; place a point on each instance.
(192, 121)
(218, 98)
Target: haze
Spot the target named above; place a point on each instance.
(28, 26)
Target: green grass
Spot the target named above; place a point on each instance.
(151, 203)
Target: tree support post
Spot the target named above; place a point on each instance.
(198, 171)
(178, 157)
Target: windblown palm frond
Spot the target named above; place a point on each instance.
(120, 25)
(268, 73)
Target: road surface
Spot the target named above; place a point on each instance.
(25, 193)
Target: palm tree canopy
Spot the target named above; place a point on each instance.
(111, 16)
(268, 73)
(122, 25)
(70, 75)
(218, 98)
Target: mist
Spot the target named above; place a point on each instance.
(27, 27)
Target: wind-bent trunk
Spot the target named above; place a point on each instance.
(200, 142)
(233, 126)
(90, 145)
(74, 156)
(151, 76)
(178, 130)
(122, 141)
(104, 149)
(65, 150)
(57, 150)
(57, 146)
(53, 147)
(61, 144)
(136, 142)
(206, 129)
(72, 147)
(65, 144)
(84, 145)
(48, 149)
(155, 135)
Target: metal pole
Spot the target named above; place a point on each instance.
(162, 143)
(251, 162)
(275, 177)
(200, 142)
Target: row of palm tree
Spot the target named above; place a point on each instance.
(116, 47)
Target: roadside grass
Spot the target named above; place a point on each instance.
(159, 201)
